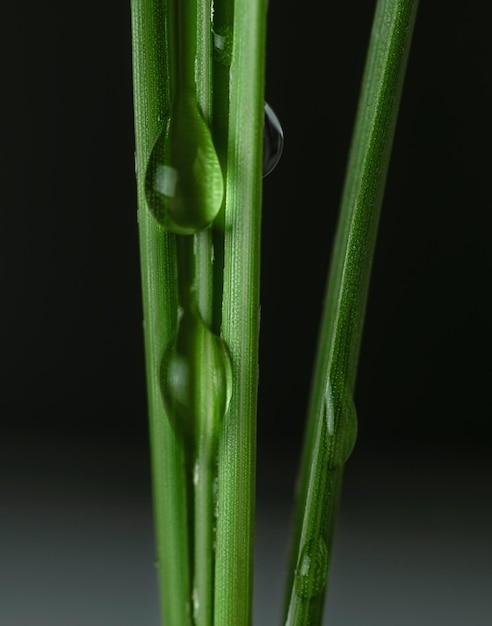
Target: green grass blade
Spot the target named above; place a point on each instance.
(158, 269)
(241, 86)
(331, 426)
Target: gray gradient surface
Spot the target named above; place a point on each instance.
(413, 545)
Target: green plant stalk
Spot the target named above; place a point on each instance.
(245, 29)
(331, 421)
(159, 297)
(193, 54)
(193, 284)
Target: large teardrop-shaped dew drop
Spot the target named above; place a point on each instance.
(184, 186)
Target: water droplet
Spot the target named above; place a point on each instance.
(196, 379)
(273, 141)
(222, 38)
(184, 187)
(312, 569)
(341, 422)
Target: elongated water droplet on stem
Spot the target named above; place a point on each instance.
(184, 187)
(273, 141)
(196, 380)
(341, 423)
(312, 569)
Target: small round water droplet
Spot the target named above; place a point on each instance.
(183, 180)
(196, 380)
(312, 569)
(273, 141)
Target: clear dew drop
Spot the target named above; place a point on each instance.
(222, 40)
(312, 569)
(196, 380)
(184, 187)
(341, 422)
(273, 141)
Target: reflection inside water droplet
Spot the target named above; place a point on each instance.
(196, 603)
(273, 141)
(196, 474)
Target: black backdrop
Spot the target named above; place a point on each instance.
(70, 332)
(71, 314)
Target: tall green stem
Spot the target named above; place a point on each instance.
(159, 297)
(199, 250)
(240, 61)
(331, 426)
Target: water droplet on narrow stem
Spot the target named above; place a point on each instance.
(184, 187)
(196, 380)
(312, 569)
(341, 426)
(273, 141)
(183, 182)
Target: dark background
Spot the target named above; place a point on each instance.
(75, 524)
